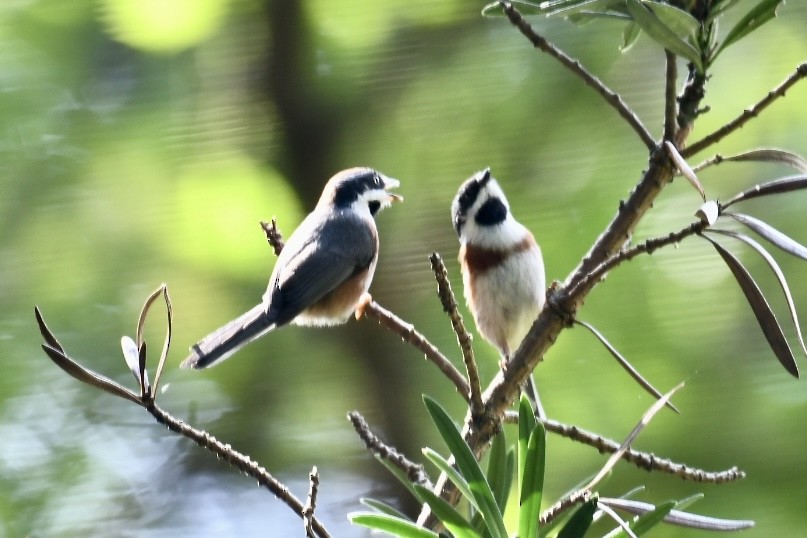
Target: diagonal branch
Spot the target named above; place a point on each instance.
(747, 114)
(463, 337)
(610, 96)
(410, 335)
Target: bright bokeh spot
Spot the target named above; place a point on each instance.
(219, 208)
(162, 25)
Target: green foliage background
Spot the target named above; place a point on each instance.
(142, 142)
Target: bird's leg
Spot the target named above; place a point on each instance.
(365, 300)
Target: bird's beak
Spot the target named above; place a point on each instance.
(391, 183)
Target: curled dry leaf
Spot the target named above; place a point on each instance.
(708, 212)
(684, 168)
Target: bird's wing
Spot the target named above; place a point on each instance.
(333, 253)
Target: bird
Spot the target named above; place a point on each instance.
(502, 267)
(323, 272)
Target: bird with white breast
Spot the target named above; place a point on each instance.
(323, 272)
(502, 266)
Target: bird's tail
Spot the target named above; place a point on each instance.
(222, 343)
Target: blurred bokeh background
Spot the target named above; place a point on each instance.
(143, 141)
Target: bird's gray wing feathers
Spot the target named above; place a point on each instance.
(223, 342)
(343, 247)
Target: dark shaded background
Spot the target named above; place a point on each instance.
(141, 142)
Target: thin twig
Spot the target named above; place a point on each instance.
(670, 102)
(463, 336)
(240, 461)
(578, 497)
(643, 460)
(747, 114)
(648, 247)
(610, 96)
(415, 472)
(410, 335)
(273, 235)
(311, 502)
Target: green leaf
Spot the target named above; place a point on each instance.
(469, 468)
(445, 467)
(759, 15)
(630, 34)
(383, 508)
(677, 20)
(500, 471)
(526, 424)
(448, 515)
(580, 521)
(532, 484)
(663, 34)
(391, 525)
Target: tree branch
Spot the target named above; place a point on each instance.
(610, 96)
(415, 472)
(747, 114)
(670, 102)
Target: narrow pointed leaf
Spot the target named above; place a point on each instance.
(646, 418)
(663, 34)
(677, 20)
(392, 525)
(580, 521)
(448, 515)
(684, 168)
(142, 369)
(46, 333)
(630, 34)
(456, 478)
(678, 517)
(167, 342)
(88, 376)
(383, 508)
(625, 364)
(141, 320)
(532, 484)
(500, 477)
(771, 155)
(526, 424)
(494, 9)
(645, 522)
(765, 230)
(777, 186)
(762, 310)
(763, 12)
(468, 467)
(780, 276)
